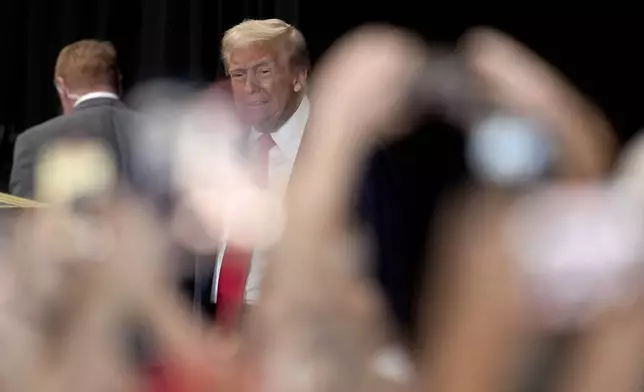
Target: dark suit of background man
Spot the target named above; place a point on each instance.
(88, 82)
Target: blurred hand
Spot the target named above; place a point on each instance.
(515, 76)
(363, 82)
(518, 80)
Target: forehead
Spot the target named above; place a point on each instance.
(253, 55)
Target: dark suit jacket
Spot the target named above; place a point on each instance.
(103, 119)
(108, 121)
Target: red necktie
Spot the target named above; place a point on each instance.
(235, 264)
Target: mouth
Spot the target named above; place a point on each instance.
(256, 104)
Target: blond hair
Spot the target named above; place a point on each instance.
(254, 31)
(88, 64)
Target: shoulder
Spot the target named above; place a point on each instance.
(41, 132)
(125, 118)
(126, 111)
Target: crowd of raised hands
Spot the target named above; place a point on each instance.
(520, 261)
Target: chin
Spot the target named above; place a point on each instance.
(255, 120)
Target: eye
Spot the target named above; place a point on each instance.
(264, 71)
(237, 75)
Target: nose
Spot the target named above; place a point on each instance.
(251, 85)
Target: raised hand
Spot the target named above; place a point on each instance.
(489, 253)
(518, 80)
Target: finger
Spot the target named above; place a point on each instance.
(514, 69)
(475, 323)
(522, 82)
(365, 79)
(608, 356)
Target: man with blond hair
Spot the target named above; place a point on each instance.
(87, 80)
(268, 64)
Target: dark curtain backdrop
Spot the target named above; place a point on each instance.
(180, 38)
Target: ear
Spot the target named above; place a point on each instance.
(60, 85)
(299, 83)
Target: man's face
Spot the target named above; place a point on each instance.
(265, 87)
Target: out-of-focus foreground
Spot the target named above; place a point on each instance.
(544, 243)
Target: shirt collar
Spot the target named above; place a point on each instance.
(94, 95)
(288, 136)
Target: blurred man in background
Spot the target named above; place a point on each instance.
(88, 80)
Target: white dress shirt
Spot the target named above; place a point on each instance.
(281, 159)
(94, 95)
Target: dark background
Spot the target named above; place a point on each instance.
(180, 38)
